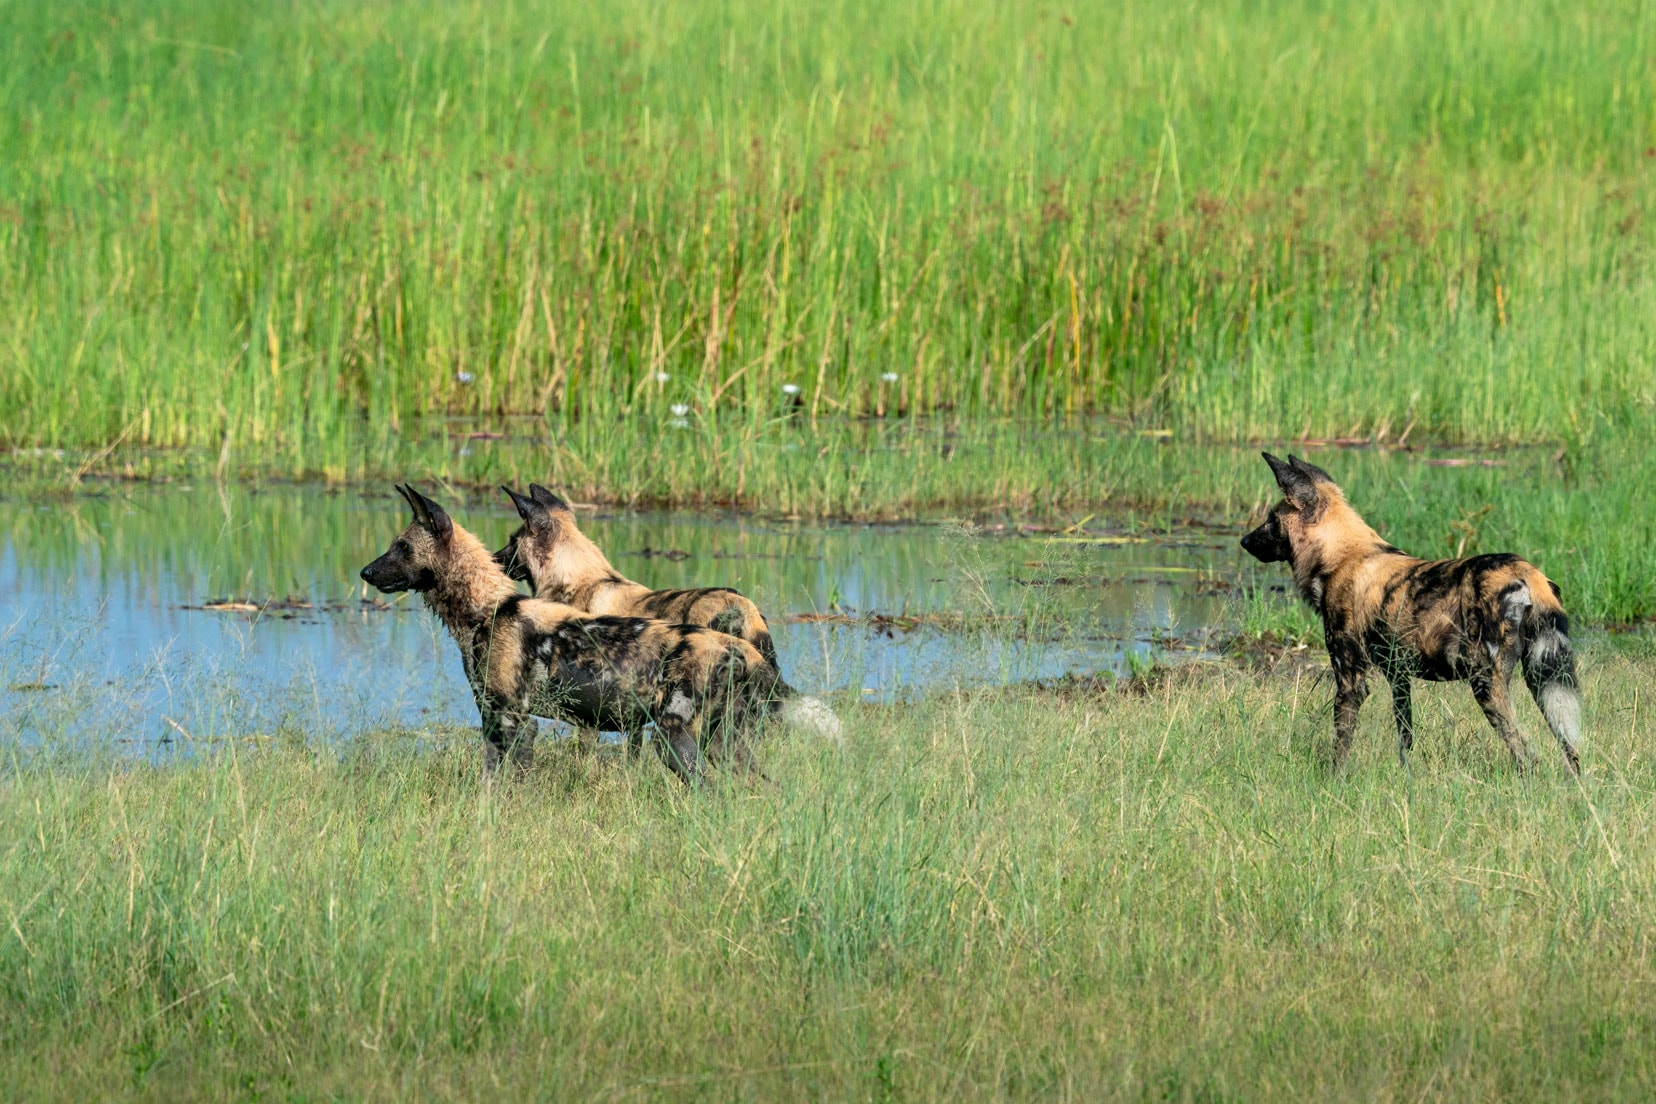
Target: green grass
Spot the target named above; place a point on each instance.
(1003, 895)
(284, 233)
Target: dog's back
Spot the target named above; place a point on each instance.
(550, 552)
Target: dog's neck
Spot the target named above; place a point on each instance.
(469, 590)
(1344, 540)
(575, 571)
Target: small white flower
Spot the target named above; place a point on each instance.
(680, 423)
(888, 377)
(679, 410)
(662, 377)
(464, 377)
(790, 388)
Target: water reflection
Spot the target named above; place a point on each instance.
(103, 638)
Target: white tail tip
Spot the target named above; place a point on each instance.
(810, 714)
(1561, 705)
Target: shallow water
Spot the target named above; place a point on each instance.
(102, 637)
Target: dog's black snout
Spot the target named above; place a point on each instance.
(364, 574)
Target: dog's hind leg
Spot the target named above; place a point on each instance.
(507, 735)
(1490, 688)
(1403, 714)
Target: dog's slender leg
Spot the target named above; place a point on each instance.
(1490, 688)
(1403, 714)
(507, 736)
(635, 742)
(525, 730)
(490, 715)
(1350, 688)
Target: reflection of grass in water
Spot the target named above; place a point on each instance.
(1581, 519)
(1120, 894)
(61, 695)
(1032, 619)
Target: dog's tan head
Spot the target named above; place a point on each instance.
(549, 550)
(1313, 527)
(417, 555)
(546, 518)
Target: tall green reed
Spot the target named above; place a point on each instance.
(306, 232)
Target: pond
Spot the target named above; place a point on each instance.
(161, 616)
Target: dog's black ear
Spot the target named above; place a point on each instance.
(533, 513)
(546, 498)
(412, 497)
(434, 519)
(1316, 474)
(1297, 487)
(1280, 468)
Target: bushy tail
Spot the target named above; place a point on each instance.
(1549, 668)
(809, 714)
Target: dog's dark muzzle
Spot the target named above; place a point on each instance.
(385, 577)
(1264, 546)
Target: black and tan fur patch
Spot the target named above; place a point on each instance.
(704, 690)
(551, 554)
(1472, 619)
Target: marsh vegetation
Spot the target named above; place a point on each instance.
(1047, 276)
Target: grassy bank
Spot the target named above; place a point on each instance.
(297, 234)
(1122, 896)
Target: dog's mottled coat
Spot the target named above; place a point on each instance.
(562, 564)
(1472, 619)
(527, 657)
(550, 553)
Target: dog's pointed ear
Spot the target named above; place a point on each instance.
(1297, 487)
(534, 515)
(1316, 474)
(434, 518)
(546, 498)
(1280, 468)
(412, 497)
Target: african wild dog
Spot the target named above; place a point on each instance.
(1471, 619)
(527, 657)
(551, 554)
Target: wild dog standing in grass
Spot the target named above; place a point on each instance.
(561, 563)
(1471, 619)
(527, 657)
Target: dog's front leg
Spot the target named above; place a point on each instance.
(507, 733)
(1350, 688)
(1403, 714)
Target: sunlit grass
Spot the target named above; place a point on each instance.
(993, 895)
